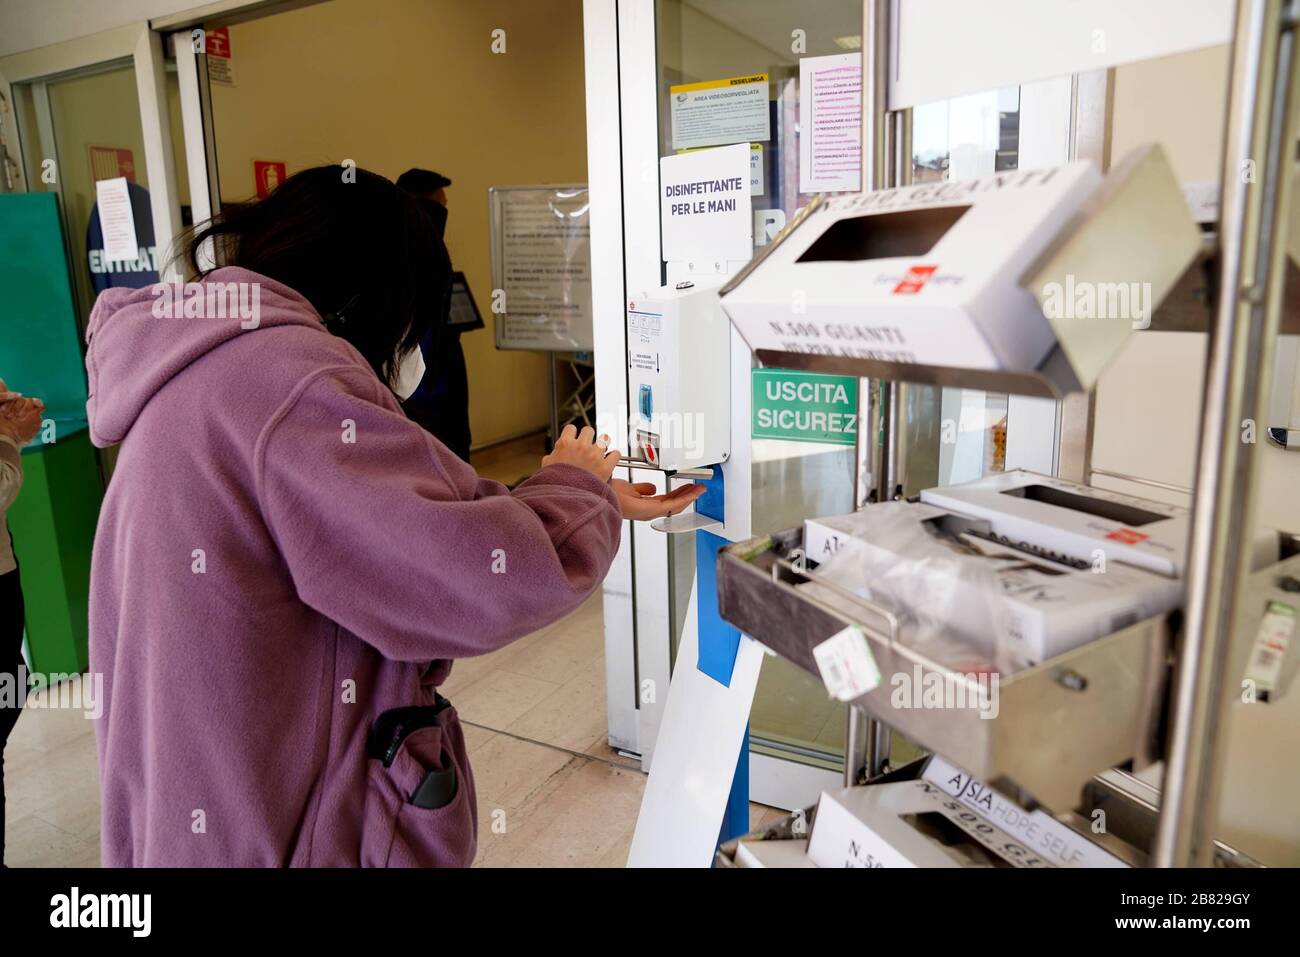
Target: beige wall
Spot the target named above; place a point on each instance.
(1148, 402)
(393, 84)
(1179, 102)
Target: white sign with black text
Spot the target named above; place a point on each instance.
(117, 219)
(704, 204)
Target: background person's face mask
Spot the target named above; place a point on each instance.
(409, 373)
(438, 213)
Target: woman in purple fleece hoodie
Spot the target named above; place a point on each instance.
(286, 567)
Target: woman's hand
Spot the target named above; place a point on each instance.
(20, 418)
(6, 396)
(640, 503)
(578, 448)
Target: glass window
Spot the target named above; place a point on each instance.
(701, 42)
(961, 138)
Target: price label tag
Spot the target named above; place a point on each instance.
(847, 666)
(1271, 641)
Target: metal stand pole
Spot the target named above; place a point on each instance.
(855, 745)
(1092, 108)
(552, 380)
(867, 741)
(1256, 183)
(877, 166)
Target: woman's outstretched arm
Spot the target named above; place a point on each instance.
(389, 534)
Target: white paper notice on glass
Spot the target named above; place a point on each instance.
(718, 112)
(704, 205)
(116, 218)
(830, 123)
(540, 238)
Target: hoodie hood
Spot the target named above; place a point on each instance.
(138, 339)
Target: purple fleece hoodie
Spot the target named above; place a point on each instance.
(281, 556)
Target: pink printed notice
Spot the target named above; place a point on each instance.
(830, 123)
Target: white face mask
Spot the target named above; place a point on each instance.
(409, 373)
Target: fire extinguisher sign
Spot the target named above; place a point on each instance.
(268, 174)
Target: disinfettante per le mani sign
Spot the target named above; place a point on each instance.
(804, 407)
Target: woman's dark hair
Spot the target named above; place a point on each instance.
(361, 251)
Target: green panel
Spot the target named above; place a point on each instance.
(40, 347)
(53, 525)
(53, 518)
(804, 407)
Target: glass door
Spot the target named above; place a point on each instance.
(953, 435)
(797, 731)
(80, 133)
(671, 54)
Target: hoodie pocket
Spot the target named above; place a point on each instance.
(399, 834)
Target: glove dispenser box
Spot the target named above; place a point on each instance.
(1025, 281)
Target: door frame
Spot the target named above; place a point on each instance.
(622, 159)
(642, 606)
(143, 43)
(143, 47)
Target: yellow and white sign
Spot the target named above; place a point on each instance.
(718, 112)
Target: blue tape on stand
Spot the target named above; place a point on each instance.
(719, 641)
(719, 644)
(711, 503)
(735, 818)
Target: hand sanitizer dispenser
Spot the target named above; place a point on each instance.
(679, 376)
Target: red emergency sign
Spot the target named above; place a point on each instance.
(268, 174)
(218, 43)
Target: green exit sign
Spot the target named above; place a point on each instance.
(804, 406)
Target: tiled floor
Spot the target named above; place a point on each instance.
(550, 790)
(551, 793)
(52, 788)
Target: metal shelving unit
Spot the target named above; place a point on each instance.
(1143, 695)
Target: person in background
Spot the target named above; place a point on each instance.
(441, 402)
(286, 566)
(20, 420)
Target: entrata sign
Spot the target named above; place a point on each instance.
(804, 407)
